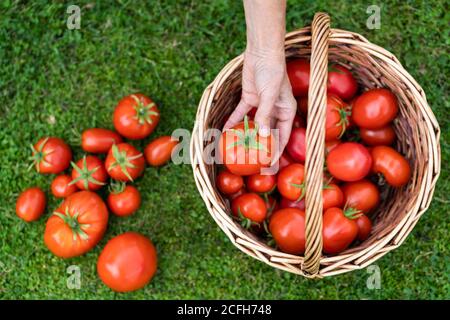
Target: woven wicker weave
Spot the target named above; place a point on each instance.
(416, 128)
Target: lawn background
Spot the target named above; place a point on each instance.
(54, 81)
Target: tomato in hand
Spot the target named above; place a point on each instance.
(375, 109)
(364, 227)
(243, 151)
(61, 187)
(159, 151)
(123, 200)
(286, 203)
(77, 225)
(51, 155)
(339, 229)
(296, 146)
(337, 118)
(89, 173)
(250, 207)
(136, 116)
(341, 82)
(128, 262)
(290, 182)
(384, 136)
(391, 164)
(99, 140)
(332, 196)
(362, 195)
(229, 183)
(298, 72)
(287, 227)
(124, 162)
(261, 183)
(30, 204)
(349, 161)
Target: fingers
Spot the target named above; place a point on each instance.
(237, 115)
(264, 114)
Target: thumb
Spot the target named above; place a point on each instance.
(264, 114)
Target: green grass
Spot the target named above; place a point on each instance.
(54, 81)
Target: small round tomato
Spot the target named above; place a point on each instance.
(99, 140)
(124, 162)
(362, 195)
(302, 106)
(136, 116)
(159, 151)
(286, 203)
(290, 182)
(51, 155)
(124, 200)
(243, 151)
(298, 72)
(332, 196)
(349, 161)
(285, 160)
(296, 146)
(61, 187)
(364, 227)
(261, 183)
(287, 227)
(89, 173)
(229, 183)
(384, 136)
(250, 207)
(128, 262)
(375, 109)
(337, 118)
(391, 164)
(339, 229)
(77, 225)
(341, 82)
(30, 204)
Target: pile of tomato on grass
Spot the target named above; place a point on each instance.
(359, 163)
(128, 261)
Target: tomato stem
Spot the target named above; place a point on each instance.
(123, 161)
(248, 139)
(73, 223)
(144, 112)
(85, 174)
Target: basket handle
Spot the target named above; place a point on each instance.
(315, 141)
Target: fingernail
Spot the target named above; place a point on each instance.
(264, 131)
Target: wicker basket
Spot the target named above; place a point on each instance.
(418, 139)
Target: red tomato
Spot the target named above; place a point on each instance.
(243, 151)
(124, 162)
(364, 227)
(89, 173)
(61, 187)
(298, 122)
(298, 72)
(287, 227)
(260, 183)
(296, 146)
(337, 118)
(302, 106)
(375, 109)
(339, 229)
(332, 196)
(229, 183)
(159, 151)
(77, 225)
(128, 262)
(124, 201)
(286, 203)
(98, 140)
(349, 161)
(51, 155)
(30, 204)
(135, 116)
(341, 82)
(290, 182)
(330, 145)
(251, 114)
(362, 195)
(284, 160)
(392, 165)
(378, 137)
(250, 208)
